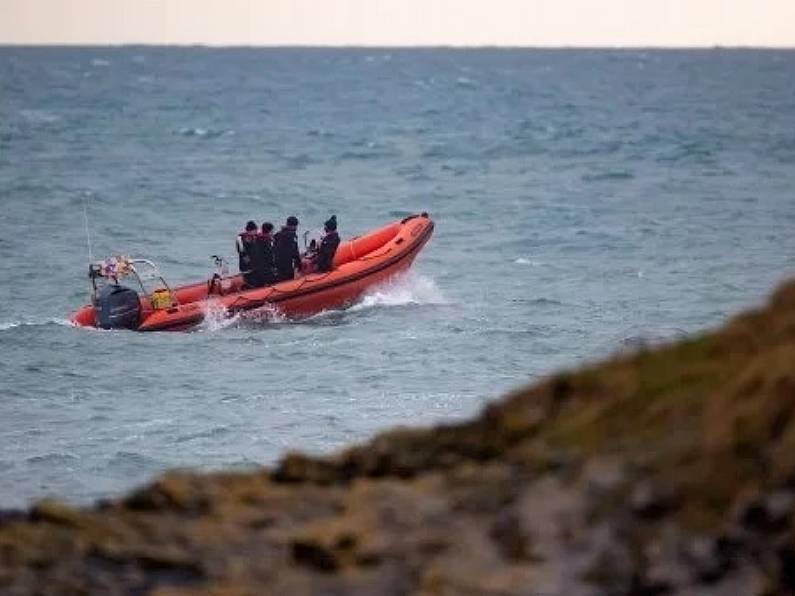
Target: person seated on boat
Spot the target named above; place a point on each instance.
(285, 250)
(328, 246)
(309, 258)
(265, 265)
(246, 249)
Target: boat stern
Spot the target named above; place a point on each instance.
(84, 317)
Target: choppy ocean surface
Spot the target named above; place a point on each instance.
(584, 201)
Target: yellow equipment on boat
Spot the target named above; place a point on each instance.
(161, 299)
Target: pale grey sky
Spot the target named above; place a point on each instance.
(402, 22)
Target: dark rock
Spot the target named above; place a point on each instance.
(664, 566)
(769, 513)
(176, 492)
(707, 557)
(511, 537)
(613, 570)
(604, 477)
(55, 512)
(786, 577)
(12, 515)
(315, 555)
(650, 501)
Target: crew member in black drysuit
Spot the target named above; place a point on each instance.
(285, 250)
(265, 265)
(246, 245)
(328, 246)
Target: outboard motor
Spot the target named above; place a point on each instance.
(117, 307)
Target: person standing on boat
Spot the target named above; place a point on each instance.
(265, 265)
(328, 246)
(246, 249)
(285, 250)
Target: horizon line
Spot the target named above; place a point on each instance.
(68, 44)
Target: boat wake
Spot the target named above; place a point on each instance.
(216, 318)
(408, 289)
(8, 325)
(405, 290)
(265, 315)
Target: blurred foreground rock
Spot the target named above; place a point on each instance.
(670, 471)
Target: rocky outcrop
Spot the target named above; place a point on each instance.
(669, 471)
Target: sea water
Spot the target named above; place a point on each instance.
(585, 201)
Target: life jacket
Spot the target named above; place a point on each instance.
(266, 239)
(245, 250)
(265, 263)
(285, 252)
(325, 254)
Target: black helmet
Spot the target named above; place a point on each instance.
(292, 221)
(331, 224)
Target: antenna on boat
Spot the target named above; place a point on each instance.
(91, 269)
(88, 232)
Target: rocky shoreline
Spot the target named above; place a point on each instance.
(667, 471)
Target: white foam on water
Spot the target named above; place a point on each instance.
(216, 317)
(6, 325)
(407, 289)
(61, 322)
(465, 82)
(204, 133)
(525, 261)
(264, 314)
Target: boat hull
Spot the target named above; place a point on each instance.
(359, 264)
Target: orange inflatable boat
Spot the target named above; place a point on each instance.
(359, 264)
